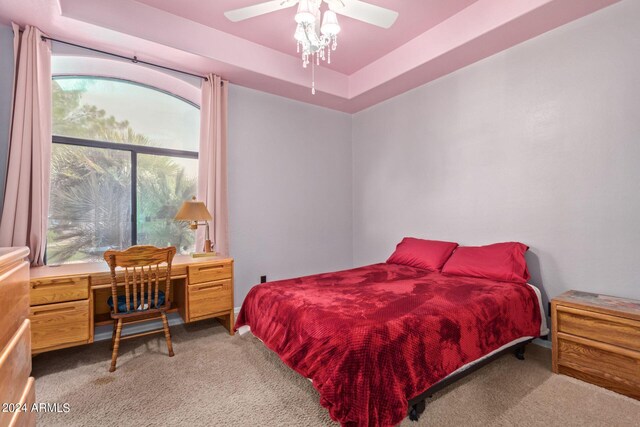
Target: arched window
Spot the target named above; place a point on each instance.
(124, 158)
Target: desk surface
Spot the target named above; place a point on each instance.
(100, 273)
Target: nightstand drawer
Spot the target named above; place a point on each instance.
(209, 272)
(209, 298)
(60, 289)
(600, 327)
(59, 325)
(603, 361)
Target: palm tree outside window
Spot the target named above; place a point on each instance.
(124, 158)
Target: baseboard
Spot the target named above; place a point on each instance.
(542, 343)
(103, 333)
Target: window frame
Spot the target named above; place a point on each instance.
(133, 149)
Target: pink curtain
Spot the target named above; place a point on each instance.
(26, 198)
(212, 161)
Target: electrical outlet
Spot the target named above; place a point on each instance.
(263, 279)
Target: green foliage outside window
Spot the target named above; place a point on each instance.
(90, 201)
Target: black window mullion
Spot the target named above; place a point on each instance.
(139, 149)
(134, 198)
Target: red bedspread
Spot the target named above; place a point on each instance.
(374, 337)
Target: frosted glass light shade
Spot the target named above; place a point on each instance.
(305, 13)
(330, 26)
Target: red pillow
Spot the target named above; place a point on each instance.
(425, 254)
(501, 261)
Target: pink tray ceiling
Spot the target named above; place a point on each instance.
(431, 38)
(359, 43)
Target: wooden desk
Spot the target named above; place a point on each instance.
(69, 300)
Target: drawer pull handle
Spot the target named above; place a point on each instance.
(56, 310)
(42, 285)
(202, 288)
(211, 267)
(54, 283)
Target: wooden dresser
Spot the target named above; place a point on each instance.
(17, 389)
(69, 301)
(596, 338)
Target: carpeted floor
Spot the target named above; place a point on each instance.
(218, 380)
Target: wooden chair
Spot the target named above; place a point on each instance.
(142, 299)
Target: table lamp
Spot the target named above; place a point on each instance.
(197, 214)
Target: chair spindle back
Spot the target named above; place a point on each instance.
(143, 274)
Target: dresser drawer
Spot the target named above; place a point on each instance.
(15, 367)
(28, 418)
(59, 289)
(59, 325)
(610, 364)
(599, 327)
(14, 299)
(209, 298)
(209, 272)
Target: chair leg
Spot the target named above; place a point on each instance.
(167, 334)
(113, 335)
(116, 345)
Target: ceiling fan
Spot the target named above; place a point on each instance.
(356, 9)
(316, 32)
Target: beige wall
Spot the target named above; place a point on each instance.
(539, 144)
(289, 188)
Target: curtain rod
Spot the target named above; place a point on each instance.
(135, 59)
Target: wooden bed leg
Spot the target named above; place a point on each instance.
(417, 410)
(519, 352)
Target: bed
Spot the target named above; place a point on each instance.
(377, 340)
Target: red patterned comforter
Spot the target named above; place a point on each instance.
(374, 337)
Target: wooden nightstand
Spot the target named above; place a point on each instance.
(596, 338)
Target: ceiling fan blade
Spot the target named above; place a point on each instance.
(258, 9)
(365, 12)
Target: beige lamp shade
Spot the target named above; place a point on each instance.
(193, 210)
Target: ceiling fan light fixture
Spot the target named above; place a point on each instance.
(316, 34)
(305, 14)
(330, 26)
(299, 35)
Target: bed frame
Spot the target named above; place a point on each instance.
(418, 404)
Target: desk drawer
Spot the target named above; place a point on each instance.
(600, 327)
(28, 418)
(209, 272)
(59, 289)
(15, 366)
(209, 298)
(59, 325)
